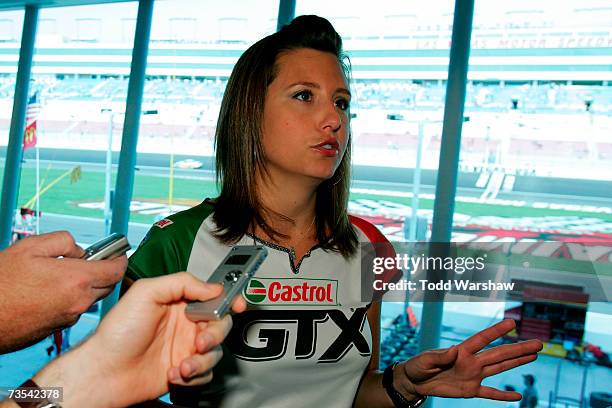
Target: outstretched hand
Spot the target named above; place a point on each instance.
(457, 372)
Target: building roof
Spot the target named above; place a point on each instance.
(20, 4)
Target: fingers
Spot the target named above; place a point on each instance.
(175, 287)
(239, 304)
(108, 272)
(495, 394)
(429, 363)
(481, 339)
(509, 351)
(196, 369)
(101, 274)
(55, 244)
(507, 365)
(443, 357)
(101, 293)
(212, 333)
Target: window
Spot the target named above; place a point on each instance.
(194, 46)
(88, 29)
(128, 28)
(8, 32)
(75, 82)
(535, 166)
(183, 29)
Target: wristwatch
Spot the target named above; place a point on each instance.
(38, 402)
(396, 397)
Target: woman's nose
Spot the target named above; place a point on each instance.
(332, 119)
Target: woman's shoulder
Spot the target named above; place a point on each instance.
(366, 230)
(368, 233)
(183, 221)
(167, 245)
(197, 213)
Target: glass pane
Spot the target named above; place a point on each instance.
(535, 170)
(80, 64)
(191, 55)
(399, 59)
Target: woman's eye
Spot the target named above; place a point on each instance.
(342, 104)
(305, 96)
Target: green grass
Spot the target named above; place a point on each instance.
(64, 197)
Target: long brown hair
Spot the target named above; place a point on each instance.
(239, 148)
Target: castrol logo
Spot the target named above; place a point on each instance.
(292, 291)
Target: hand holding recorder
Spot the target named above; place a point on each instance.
(42, 293)
(144, 344)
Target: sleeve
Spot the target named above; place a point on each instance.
(167, 246)
(382, 248)
(156, 255)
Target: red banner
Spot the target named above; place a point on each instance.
(29, 139)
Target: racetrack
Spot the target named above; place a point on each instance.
(192, 185)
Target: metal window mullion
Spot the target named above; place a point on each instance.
(14, 151)
(446, 184)
(286, 13)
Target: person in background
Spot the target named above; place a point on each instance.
(530, 394)
(145, 344)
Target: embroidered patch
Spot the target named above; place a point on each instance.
(163, 223)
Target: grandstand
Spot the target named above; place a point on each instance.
(543, 67)
(539, 137)
(511, 42)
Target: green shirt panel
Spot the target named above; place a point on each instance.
(166, 248)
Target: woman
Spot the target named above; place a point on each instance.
(308, 337)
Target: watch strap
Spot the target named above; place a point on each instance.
(396, 397)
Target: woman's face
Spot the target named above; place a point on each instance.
(306, 117)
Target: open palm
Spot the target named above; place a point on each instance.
(457, 372)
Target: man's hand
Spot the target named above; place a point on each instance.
(41, 293)
(144, 344)
(457, 372)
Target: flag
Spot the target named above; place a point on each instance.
(33, 109)
(411, 317)
(75, 174)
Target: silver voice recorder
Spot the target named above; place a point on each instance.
(110, 247)
(234, 273)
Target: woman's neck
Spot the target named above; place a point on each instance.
(289, 210)
(289, 204)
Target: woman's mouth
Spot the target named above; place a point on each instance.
(328, 148)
